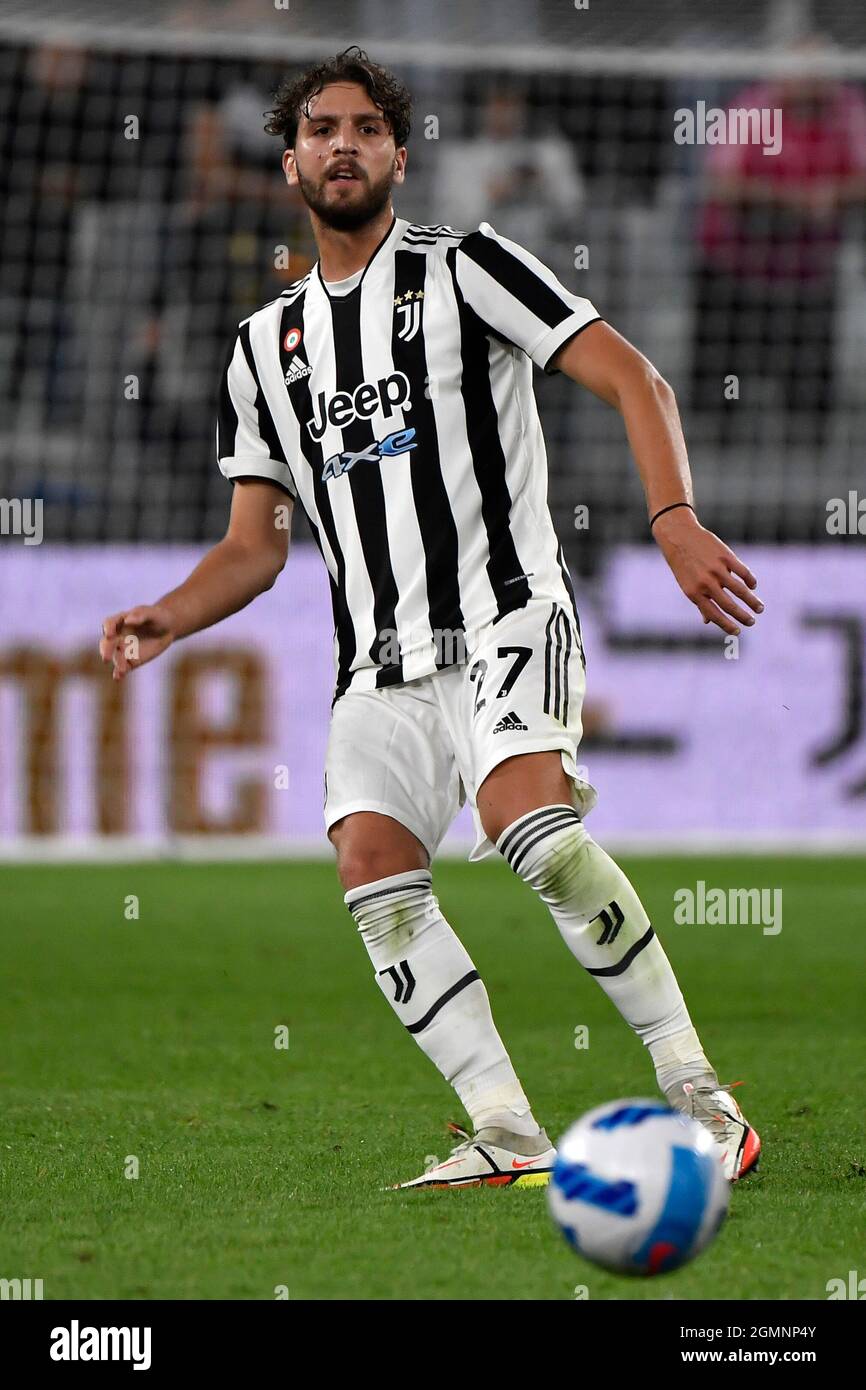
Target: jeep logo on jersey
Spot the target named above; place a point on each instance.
(388, 394)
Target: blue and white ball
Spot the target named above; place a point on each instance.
(638, 1187)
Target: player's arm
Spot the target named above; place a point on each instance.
(707, 571)
(242, 565)
(520, 301)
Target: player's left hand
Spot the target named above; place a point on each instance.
(707, 571)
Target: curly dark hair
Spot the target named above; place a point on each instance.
(385, 90)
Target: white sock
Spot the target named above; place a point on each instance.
(428, 977)
(604, 925)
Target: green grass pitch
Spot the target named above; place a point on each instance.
(262, 1167)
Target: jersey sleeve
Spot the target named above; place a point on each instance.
(517, 297)
(247, 442)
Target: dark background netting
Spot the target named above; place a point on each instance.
(127, 262)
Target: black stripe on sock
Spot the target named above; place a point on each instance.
(510, 843)
(441, 1002)
(388, 892)
(627, 959)
(516, 861)
(536, 833)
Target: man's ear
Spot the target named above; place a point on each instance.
(400, 164)
(289, 169)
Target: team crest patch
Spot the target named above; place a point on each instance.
(408, 307)
(292, 339)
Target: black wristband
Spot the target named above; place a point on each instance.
(669, 509)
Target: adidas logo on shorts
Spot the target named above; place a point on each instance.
(509, 721)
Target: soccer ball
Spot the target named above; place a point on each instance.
(638, 1187)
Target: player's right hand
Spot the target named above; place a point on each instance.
(133, 638)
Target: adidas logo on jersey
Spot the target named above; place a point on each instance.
(297, 371)
(509, 721)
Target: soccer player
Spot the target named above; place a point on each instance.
(389, 393)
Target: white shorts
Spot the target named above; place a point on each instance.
(418, 751)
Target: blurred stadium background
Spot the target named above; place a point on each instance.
(143, 214)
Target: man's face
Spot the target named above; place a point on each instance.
(344, 161)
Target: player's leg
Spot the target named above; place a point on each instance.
(389, 749)
(371, 846)
(526, 807)
(529, 806)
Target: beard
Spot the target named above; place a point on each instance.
(344, 218)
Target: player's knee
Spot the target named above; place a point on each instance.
(358, 865)
(355, 867)
(539, 775)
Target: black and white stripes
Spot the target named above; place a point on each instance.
(360, 907)
(557, 651)
(398, 409)
(516, 842)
